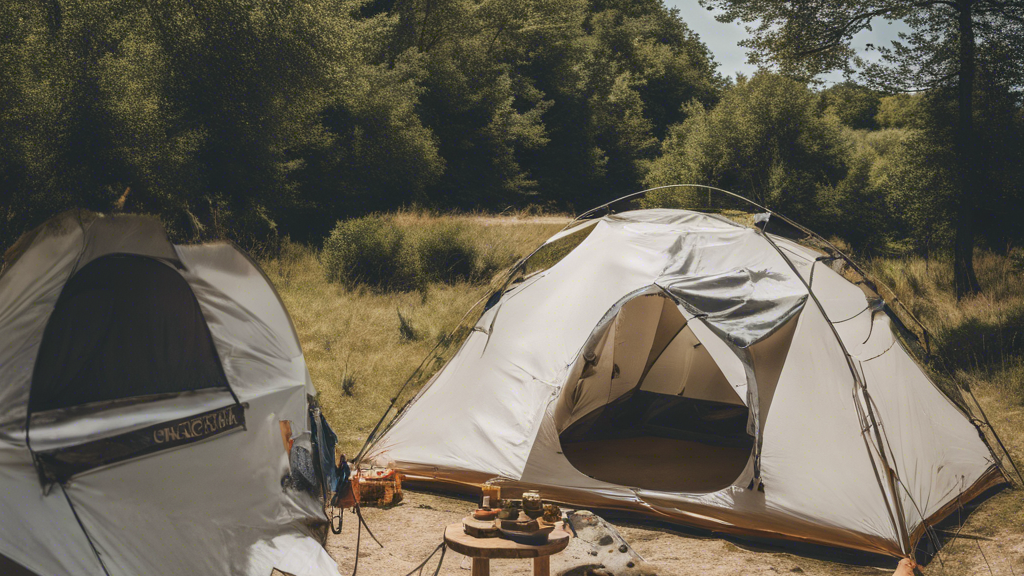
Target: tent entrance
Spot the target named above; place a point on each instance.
(653, 408)
(126, 330)
(659, 442)
(124, 326)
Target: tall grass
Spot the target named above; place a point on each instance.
(983, 332)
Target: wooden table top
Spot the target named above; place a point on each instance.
(463, 543)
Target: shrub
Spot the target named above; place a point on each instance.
(1016, 257)
(369, 250)
(348, 384)
(447, 253)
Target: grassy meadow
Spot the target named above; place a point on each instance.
(361, 343)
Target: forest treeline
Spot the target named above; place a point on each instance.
(259, 119)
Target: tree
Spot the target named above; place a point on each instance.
(262, 118)
(808, 38)
(224, 119)
(765, 139)
(857, 209)
(914, 178)
(854, 105)
(566, 96)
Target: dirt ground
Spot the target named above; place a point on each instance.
(412, 529)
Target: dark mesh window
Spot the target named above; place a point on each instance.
(123, 326)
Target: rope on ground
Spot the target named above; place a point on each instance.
(419, 568)
(362, 521)
(988, 424)
(359, 536)
(978, 542)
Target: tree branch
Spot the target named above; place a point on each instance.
(840, 34)
(1002, 4)
(934, 83)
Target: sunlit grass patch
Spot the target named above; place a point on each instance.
(981, 332)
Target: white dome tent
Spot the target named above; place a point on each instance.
(686, 366)
(146, 394)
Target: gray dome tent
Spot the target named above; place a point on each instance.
(146, 394)
(685, 366)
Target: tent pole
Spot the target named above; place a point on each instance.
(993, 430)
(84, 531)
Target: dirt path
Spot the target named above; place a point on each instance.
(412, 529)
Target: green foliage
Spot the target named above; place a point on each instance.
(268, 118)
(447, 253)
(855, 106)
(276, 118)
(903, 111)
(370, 250)
(915, 177)
(766, 139)
(813, 38)
(619, 81)
(856, 206)
(379, 151)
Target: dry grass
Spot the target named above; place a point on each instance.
(355, 335)
(984, 332)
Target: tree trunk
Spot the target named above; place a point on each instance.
(964, 279)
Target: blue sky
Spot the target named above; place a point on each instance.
(721, 38)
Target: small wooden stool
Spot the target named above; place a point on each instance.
(481, 550)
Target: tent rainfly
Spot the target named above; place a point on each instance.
(682, 365)
(147, 392)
